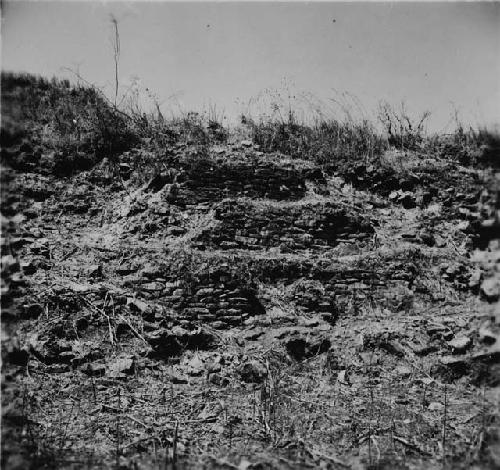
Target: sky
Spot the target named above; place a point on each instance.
(433, 56)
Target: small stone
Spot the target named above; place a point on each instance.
(149, 271)
(404, 371)
(475, 279)
(409, 235)
(453, 366)
(253, 334)
(460, 344)
(10, 264)
(496, 314)
(246, 143)
(152, 286)
(32, 310)
(196, 366)
(228, 245)
(218, 380)
(487, 336)
(176, 231)
(205, 292)
(137, 305)
(490, 355)
(435, 406)
(309, 322)
(427, 238)
(440, 241)
(14, 353)
(215, 364)
(408, 201)
(394, 195)
(434, 209)
(490, 288)
(423, 349)
(176, 378)
(94, 369)
(172, 342)
(427, 380)
(125, 269)
(28, 268)
(343, 377)
(303, 347)
(95, 270)
(359, 342)
(252, 372)
(439, 331)
(452, 269)
(121, 367)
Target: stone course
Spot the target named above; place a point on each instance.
(207, 180)
(250, 225)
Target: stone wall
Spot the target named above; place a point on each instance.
(216, 297)
(206, 180)
(245, 224)
(219, 305)
(215, 291)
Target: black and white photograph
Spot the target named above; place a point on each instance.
(250, 235)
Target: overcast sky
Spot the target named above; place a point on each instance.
(432, 55)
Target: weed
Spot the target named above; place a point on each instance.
(403, 132)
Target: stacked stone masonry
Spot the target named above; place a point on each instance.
(216, 298)
(249, 225)
(211, 181)
(221, 298)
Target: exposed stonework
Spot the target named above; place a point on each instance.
(245, 224)
(208, 180)
(212, 296)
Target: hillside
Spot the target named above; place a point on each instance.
(178, 295)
